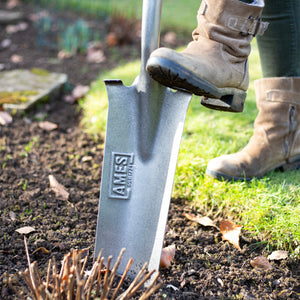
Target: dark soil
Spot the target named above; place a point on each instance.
(205, 267)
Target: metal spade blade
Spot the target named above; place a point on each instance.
(144, 128)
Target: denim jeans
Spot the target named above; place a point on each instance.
(279, 47)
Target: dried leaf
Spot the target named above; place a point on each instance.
(12, 216)
(62, 54)
(173, 287)
(170, 38)
(167, 255)
(12, 4)
(95, 56)
(111, 39)
(205, 221)
(10, 29)
(220, 281)
(86, 158)
(25, 230)
(278, 255)
(15, 58)
(48, 126)
(41, 249)
(69, 99)
(231, 232)
(80, 91)
(261, 262)
(5, 118)
(6, 43)
(22, 26)
(58, 189)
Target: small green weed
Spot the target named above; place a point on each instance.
(24, 187)
(28, 211)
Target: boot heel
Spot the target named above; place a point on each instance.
(232, 103)
(292, 165)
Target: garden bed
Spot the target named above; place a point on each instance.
(204, 267)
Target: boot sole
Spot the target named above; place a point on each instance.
(173, 75)
(290, 166)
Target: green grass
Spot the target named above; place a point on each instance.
(268, 208)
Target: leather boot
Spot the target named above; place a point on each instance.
(276, 139)
(215, 63)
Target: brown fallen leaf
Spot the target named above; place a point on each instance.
(5, 118)
(12, 216)
(25, 230)
(95, 56)
(205, 221)
(86, 158)
(80, 91)
(170, 38)
(16, 59)
(62, 54)
(111, 39)
(278, 255)
(12, 4)
(41, 249)
(231, 232)
(48, 126)
(58, 189)
(69, 99)
(261, 262)
(167, 255)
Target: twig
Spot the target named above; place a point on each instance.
(30, 271)
(105, 280)
(124, 296)
(91, 280)
(48, 274)
(99, 277)
(115, 268)
(151, 289)
(70, 289)
(137, 287)
(130, 262)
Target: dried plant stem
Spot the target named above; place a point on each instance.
(48, 274)
(152, 288)
(29, 265)
(114, 270)
(125, 295)
(99, 276)
(130, 262)
(105, 280)
(73, 283)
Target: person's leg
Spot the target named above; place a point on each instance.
(279, 47)
(215, 63)
(276, 139)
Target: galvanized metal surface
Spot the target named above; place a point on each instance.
(144, 129)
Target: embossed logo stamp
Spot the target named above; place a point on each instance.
(121, 175)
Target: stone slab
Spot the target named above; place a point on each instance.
(21, 89)
(9, 17)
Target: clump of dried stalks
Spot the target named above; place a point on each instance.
(73, 282)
